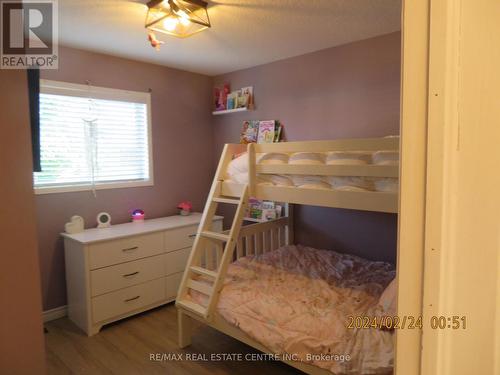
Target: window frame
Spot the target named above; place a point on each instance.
(103, 93)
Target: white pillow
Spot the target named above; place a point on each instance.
(351, 183)
(307, 158)
(386, 158)
(240, 178)
(389, 185)
(238, 165)
(388, 300)
(274, 179)
(310, 182)
(348, 158)
(273, 158)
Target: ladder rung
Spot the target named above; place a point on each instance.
(216, 236)
(204, 272)
(200, 287)
(191, 306)
(226, 200)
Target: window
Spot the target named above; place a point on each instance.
(93, 138)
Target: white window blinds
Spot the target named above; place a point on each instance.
(92, 137)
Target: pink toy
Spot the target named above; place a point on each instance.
(185, 208)
(138, 215)
(155, 43)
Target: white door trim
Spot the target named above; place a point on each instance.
(414, 94)
(462, 256)
(443, 136)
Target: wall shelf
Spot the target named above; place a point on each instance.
(226, 111)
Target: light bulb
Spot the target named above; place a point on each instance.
(170, 24)
(182, 14)
(184, 21)
(183, 17)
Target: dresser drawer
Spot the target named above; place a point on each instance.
(126, 300)
(124, 250)
(104, 280)
(172, 284)
(180, 238)
(175, 261)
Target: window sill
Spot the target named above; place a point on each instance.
(81, 188)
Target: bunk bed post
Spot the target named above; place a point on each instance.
(185, 324)
(251, 169)
(289, 226)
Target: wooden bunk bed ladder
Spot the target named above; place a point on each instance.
(198, 276)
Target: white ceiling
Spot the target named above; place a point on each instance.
(244, 33)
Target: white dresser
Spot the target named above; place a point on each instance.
(116, 272)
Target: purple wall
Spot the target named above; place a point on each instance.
(182, 146)
(342, 92)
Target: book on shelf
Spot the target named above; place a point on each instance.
(263, 210)
(232, 100)
(277, 131)
(246, 98)
(225, 99)
(221, 93)
(254, 131)
(249, 132)
(269, 131)
(266, 131)
(217, 94)
(241, 102)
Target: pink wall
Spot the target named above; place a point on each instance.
(21, 331)
(342, 92)
(182, 146)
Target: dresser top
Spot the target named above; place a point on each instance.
(132, 229)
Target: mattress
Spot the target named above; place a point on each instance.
(297, 300)
(348, 158)
(306, 158)
(386, 158)
(237, 171)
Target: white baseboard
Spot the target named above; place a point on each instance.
(53, 314)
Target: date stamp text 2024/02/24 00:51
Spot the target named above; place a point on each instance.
(406, 322)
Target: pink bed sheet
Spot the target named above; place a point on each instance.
(297, 300)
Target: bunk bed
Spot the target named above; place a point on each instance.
(358, 174)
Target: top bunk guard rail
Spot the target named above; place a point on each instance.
(331, 170)
(358, 200)
(354, 144)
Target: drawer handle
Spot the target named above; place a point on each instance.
(131, 274)
(130, 249)
(132, 299)
(192, 235)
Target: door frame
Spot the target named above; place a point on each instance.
(413, 173)
(442, 138)
(461, 135)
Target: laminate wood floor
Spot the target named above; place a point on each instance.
(125, 347)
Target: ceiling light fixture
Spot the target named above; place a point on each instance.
(181, 18)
